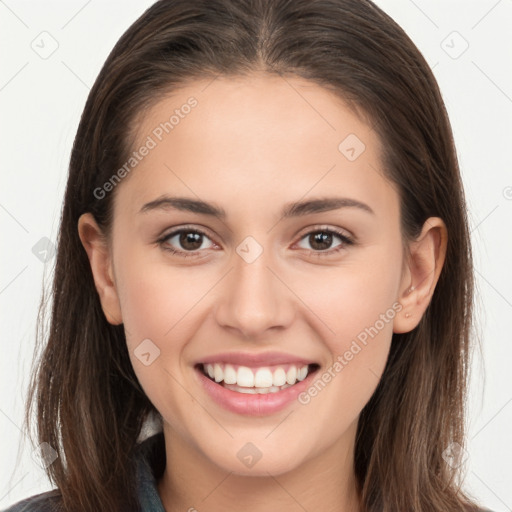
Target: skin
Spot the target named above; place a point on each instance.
(251, 145)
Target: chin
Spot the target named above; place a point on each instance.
(249, 460)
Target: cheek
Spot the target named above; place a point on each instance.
(156, 298)
(355, 296)
(358, 304)
(157, 305)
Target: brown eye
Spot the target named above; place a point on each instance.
(184, 242)
(321, 240)
(190, 241)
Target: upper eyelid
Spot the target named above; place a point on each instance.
(324, 227)
(179, 229)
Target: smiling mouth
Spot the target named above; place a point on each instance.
(259, 380)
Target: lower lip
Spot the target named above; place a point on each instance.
(253, 404)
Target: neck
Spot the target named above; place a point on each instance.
(193, 483)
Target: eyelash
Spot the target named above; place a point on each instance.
(347, 241)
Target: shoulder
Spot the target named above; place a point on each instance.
(150, 460)
(50, 501)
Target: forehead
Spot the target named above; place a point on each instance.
(258, 137)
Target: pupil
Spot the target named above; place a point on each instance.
(321, 238)
(187, 238)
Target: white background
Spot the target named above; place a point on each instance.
(41, 101)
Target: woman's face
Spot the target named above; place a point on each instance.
(304, 267)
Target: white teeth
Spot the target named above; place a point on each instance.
(229, 375)
(279, 377)
(218, 373)
(245, 377)
(291, 375)
(263, 380)
(249, 391)
(302, 373)
(256, 391)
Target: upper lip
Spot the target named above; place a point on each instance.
(252, 359)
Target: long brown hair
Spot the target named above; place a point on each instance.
(90, 406)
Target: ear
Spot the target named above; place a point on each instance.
(96, 246)
(422, 269)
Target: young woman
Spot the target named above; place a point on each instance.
(264, 249)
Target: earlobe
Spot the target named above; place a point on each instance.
(98, 252)
(425, 261)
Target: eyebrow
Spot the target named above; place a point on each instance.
(295, 209)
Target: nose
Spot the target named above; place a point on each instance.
(254, 298)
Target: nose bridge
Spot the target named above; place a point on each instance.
(254, 299)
